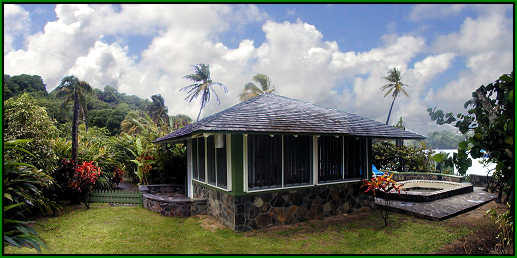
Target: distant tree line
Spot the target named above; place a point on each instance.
(104, 108)
(444, 140)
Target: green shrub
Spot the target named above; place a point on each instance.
(23, 119)
(387, 156)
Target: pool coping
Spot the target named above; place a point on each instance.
(416, 196)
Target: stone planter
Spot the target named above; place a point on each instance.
(169, 200)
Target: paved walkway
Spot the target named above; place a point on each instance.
(443, 208)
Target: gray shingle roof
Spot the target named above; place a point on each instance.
(277, 114)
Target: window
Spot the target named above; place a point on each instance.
(201, 158)
(297, 160)
(210, 159)
(330, 153)
(216, 172)
(355, 149)
(264, 162)
(220, 154)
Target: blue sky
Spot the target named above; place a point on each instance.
(330, 54)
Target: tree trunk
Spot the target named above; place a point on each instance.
(75, 125)
(201, 108)
(389, 114)
(85, 117)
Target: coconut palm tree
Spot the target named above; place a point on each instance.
(251, 90)
(203, 86)
(74, 90)
(393, 87)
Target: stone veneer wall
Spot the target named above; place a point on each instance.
(263, 209)
(220, 204)
(405, 176)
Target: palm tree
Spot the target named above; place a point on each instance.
(138, 122)
(74, 91)
(251, 90)
(203, 85)
(393, 87)
(158, 111)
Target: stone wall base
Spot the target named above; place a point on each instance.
(424, 176)
(176, 208)
(264, 209)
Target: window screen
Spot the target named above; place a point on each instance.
(330, 155)
(264, 162)
(297, 160)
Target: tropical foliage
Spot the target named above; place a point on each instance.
(16, 85)
(489, 125)
(23, 192)
(74, 91)
(385, 185)
(252, 90)
(394, 87)
(444, 163)
(388, 156)
(158, 111)
(203, 86)
(24, 119)
(504, 222)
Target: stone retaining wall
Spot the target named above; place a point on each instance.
(405, 176)
(264, 209)
(478, 180)
(175, 208)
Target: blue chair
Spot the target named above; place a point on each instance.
(376, 172)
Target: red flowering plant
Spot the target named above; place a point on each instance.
(84, 178)
(384, 184)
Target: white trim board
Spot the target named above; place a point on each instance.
(201, 182)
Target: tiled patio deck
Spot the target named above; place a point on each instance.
(443, 208)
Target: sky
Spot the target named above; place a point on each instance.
(334, 55)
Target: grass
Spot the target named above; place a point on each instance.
(133, 230)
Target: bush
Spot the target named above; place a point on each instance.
(505, 235)
(23, 119)
(387, 156)
(170, 165)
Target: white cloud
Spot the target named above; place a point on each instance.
(486, 43)
(300, 61)
(16, 24)
(103, 65)
(432, 11)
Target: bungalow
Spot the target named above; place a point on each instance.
(275, 160)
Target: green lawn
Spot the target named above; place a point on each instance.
(133, 230)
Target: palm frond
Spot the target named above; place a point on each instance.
(389, 91)
(263, 80)
(404, 91)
